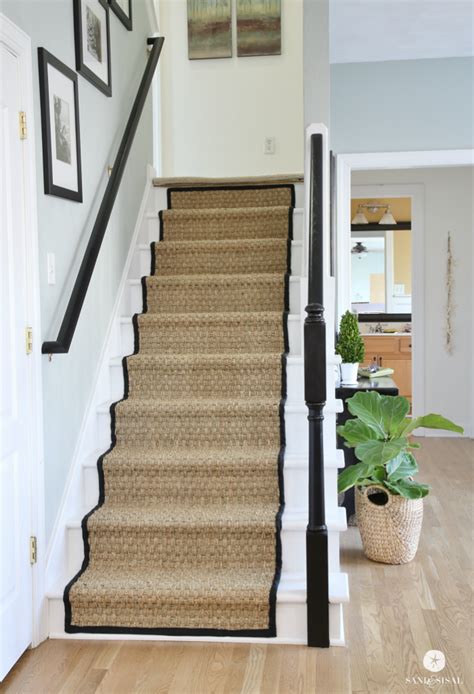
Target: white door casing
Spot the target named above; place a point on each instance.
(21, 473)
(345, 165)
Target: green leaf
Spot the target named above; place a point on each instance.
(379, 452)
(394, 410)
(408, 489)
(351, 475)
(406, 467)
(429, 421)
(354, 431)
(379, 473)
(394, 464)
(367, 406)
(412, 444)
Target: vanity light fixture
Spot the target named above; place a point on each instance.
(373, 208)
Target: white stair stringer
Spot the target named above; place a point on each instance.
(67, 549)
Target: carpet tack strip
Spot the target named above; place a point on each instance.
(185, 538)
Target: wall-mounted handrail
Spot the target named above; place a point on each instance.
(71, 316)
(317, 568)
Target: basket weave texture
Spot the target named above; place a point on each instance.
(390, 533)
(186, 535)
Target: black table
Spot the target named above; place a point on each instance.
(384, 386)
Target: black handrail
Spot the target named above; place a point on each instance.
(317, 566)
(71, 316)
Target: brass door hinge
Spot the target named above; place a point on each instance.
(33, 550)
(22, 125)
(28, 340)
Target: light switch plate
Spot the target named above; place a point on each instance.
(269, 145)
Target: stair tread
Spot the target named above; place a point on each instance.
(224, 212)
(223, 245)
(127, 585)
(217, 278)
(170, 515)
(210, 405)
(184, 457)
(210, 359)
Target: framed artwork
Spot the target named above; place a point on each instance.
(209, 29)
(60, 128)
(123, 10)
(258, 27)
(92, 38)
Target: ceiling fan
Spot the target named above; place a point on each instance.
(359, 249)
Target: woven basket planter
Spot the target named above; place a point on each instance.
(390, 529)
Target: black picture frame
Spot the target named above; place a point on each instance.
(126, 20)
(51, 181)
(81, 67)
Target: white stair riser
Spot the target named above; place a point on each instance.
(291, 620)
(293, 543)
(296, 427)
(298, 217)
(296, 486)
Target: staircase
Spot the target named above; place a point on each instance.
(67, 553)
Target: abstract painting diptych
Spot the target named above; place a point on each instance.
(210, 28)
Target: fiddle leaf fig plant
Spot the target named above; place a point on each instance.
(379, 433)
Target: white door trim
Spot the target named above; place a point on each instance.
(20, 44)
(345, 165)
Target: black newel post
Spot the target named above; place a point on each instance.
(315, 396)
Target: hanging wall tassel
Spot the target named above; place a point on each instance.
(449, 298)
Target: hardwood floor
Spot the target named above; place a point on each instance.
(396, 614)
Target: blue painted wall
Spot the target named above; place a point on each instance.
(402, 105)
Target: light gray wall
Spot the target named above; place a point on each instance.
(64, 225)
(402, 105)
(448, 199)
(316, 61)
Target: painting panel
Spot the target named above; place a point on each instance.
(258, 27)
(209, 29)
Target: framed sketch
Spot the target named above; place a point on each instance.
(123, 10)
(60, 128)
(92, 38)
(209, 29)
(258, 27)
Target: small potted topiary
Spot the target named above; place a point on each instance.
(389, 503)
(350, 346)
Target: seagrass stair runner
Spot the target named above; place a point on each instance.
(185, 538)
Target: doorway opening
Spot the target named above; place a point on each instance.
(381, 284)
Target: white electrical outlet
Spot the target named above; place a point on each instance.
(51, 260)
(269, 145)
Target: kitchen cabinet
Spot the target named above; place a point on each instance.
(394, 352)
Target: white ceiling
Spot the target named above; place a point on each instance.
(375, 30)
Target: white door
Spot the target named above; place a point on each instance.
(15, 385)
